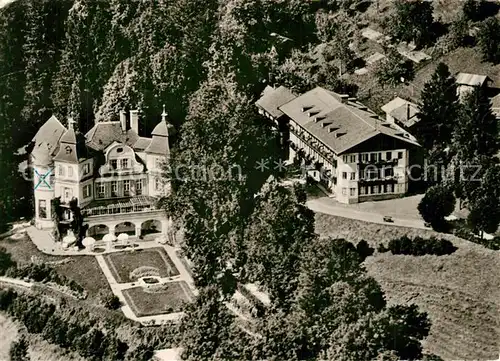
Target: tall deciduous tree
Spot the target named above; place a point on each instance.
(412, 21)
(484, 203)
(489, 39)
(476, 131)
(280, 227)
(437, 203)
(208, 330)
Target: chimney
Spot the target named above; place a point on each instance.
(123, 120)
(407, 111)
(134, 120)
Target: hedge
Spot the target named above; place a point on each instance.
(419, 246)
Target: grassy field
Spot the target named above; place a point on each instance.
(460, 292)
(82, 269)
(123, 263)
(144, 303)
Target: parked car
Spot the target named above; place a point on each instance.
(388, 219)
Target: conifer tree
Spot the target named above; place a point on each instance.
(437, 113)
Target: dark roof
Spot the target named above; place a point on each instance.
(142, 143)
(272, 99)
(46, 141)
(161, 129)
(338, 122)
(103, 134)
(158, 145)
(73, 148)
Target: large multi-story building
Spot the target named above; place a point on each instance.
(353, 153)
(114, 174)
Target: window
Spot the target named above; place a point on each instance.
(362, 190)
(390, 188)
(374, 189)
(101, 190)
(353, 175)
(119, 150)
(373, 157)
(380, 156)
(42, 208)
(400, 155)
(353, 159)
(388, 172)
(124, 163)
(114, 189)
(352, 192)
(61, 171)
(388, 155)
(87, 191)
(345, 158)
(371, 173)
(68, 194)
(70, 171)
(344, 175)
(364, 157)
(86, 168)
(114, 164)
(344, 191)
(68, 149)
(126, 188)
(157, 184)
(138, 187)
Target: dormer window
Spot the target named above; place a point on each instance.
(68, 149)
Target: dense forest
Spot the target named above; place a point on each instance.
(90, 59)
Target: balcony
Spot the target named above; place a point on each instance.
(314, 145)
(374, 180)
(379, 162)
(120, 206)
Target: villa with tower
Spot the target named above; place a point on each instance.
(113, 172)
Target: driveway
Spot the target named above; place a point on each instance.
(328, 206)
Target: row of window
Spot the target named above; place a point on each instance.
(62, 170)
(372, 157)
(124, 163)
(123, 191)
(375, 189)
(370, 173)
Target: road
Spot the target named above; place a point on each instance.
(327, 206)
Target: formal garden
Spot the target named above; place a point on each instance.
(158, 299)
(133, 265)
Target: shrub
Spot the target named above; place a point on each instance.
(6, 261)
(109, 300)
(364, 250)
(144, 271)
(19, 350)
(420, 246)
(437, 203)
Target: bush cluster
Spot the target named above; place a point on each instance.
(462, 231)
(419, 246)
(67, 327)
(44, 273)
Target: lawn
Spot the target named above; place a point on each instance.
(146, 303)
(82, 269)
(460, 292)
(123, 263)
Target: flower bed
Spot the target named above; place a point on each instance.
(123, 265)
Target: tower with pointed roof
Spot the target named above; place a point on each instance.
(157, 154)
(73, 165)
(114, 172)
